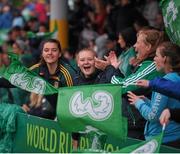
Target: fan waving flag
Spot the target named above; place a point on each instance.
(171, 17)
(21, 77)
(94, 107)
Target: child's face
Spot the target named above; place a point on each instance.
(86, 62)
(160, 61)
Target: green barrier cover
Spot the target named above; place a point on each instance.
(36, 134)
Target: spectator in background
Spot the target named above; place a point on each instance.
(127, 39)
(159, 21)
(122, 16)
(6, 17)
(150, 11)
(23, 50)
(140, 23)
(14, 34)
(40, 9)
(87, 34)
(98, 15)
(18, 19)
(111, 44)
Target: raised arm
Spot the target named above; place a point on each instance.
(163, 86)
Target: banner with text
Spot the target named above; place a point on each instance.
(34, 134)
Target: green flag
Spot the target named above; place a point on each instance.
(171, 17)
(92, 108)
(150, 146)
(21, 77)
(44, 35)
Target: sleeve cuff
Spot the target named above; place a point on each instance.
(138, 103)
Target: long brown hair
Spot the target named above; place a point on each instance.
(152, 37)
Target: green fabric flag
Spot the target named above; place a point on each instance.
(171, 17)
(8, 125)
(150, 146)
(92, 108)
(21, 77)
(44, 35)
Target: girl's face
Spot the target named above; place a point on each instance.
(160, 61)
(86, 62)
(16, 49)
(141, 47)
(51, 53)
(121, 42)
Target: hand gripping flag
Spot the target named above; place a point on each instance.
(21, 77)
(171, 17)
(92, 108)
(150, 146)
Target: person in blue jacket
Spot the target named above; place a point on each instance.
(167, 60)
(164, 86)
(168, 88)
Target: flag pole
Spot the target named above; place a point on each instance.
(164, 126)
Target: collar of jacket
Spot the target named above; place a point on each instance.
(93, 76)
(44, 72)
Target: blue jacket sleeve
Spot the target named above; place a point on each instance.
(166, 87)
(151, 111)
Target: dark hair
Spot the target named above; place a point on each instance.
(129, 36)
(172, 52)
(49, 41)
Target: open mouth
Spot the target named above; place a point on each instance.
(87, 68)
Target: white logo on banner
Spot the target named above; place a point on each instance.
(25, 82)
(171, 15)
(98, 107)
(149, 147)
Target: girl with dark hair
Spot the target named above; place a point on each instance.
(56, 70)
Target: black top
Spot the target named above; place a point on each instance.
(175, 115)
(99, 77)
